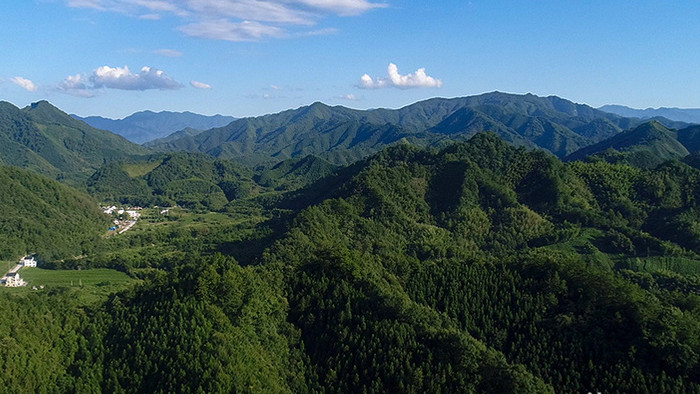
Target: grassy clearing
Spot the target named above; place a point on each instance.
(586, 245)
(151, 220)
(92, 277)
(90, 285)
(662, 264)
(140, 169)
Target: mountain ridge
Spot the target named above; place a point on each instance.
(551, 123)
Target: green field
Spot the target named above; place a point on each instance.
(90, 285)
(100, 277)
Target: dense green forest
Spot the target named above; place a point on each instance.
(198, 181)
(45, 217)
(479, 267)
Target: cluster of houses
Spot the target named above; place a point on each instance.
(12, 278)
(133, 212)
(123, 225)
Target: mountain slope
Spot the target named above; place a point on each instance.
(690, 138)
(294, 173)
(342, 135)
(512, 246)
(645, 146)
(44, 139)
(45, 217)
(146, 126)
(186, 179)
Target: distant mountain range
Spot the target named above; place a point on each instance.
(146, 126)
(341, 135)
(42, 138)
(688, 115)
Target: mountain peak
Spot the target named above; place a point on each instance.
(651, 127)
(646, 145)
(47, 111)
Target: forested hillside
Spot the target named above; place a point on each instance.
(480, 267)
(45, 217)
(191, 180)
(198, 181)
(46, 140)
(647, 145)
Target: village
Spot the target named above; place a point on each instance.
(124, 220)
(123, 223)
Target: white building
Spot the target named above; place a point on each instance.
(13, 280)
(28, 261)
(134, 214)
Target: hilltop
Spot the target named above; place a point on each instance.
(647, 145)
(42, 138)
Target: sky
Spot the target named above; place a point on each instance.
(251, 57)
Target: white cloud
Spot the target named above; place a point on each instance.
(124, 79)
(25, 83)
(117, 78)
(224, 29)
(366, 82)
(343, 7)
(168, 52)
(417, 79)
(200, 85)
(132, 7)
(237, 20)
(76, 85)
(277, 11)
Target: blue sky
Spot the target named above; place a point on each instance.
(252, 57)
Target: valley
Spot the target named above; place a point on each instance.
(495, 243)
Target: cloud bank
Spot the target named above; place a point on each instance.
(24, 83)
(237, 20)
(121, 78)
(417, 79)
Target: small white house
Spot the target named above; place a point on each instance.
(13, 280)
(28, 261)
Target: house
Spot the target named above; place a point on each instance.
(13, 280)
(134, 214)
(28, 261)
